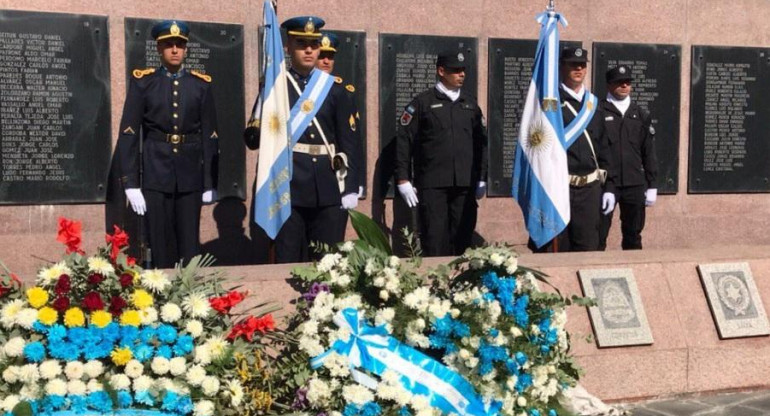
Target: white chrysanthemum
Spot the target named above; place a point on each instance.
(30, 392)
(357, 394)
(348, 246)
(521, 401)
(338, 365)
(195, 375)
(371, 267)
(134, 369)
(384, 295)
(418, 299)
(393, 261)
(234, 390)
(177, 366)
(439, 308)
(160, 366)
(100, 265)
(322, 309)
(76, 388)
(154, 280)
(318, 392)
(9, 312)
(170, 312)
(11, 374)
(210, 386)
(10, 402)
(339, 279)
(203, 408)
(217, 346)
(194, 328)
(50, 369)
(196, 305)
(202, 355)
(14, 347)
(311, 345)
(142, 383)
(328, 261)
(120, 382)
(74, 370)
(49, 276)
(384, 316)
(29, 374)
(350, 301)
(148, 316)
(496, 259)
(511, 265)
(56, 387)
(94, 385)
(420, 402)
(26, 318)
(94, 368)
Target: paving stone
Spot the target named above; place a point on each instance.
(645, 412)
(762, 401)
(727, 399)
(678, 407)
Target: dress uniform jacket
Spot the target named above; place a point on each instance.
(161, 104)
(580, 159)
(632, 144)
(445, 141)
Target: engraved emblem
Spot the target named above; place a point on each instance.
(590, 105)
(309, 26)
(614, 304)
(733, 293)
(539, 137)
(622, 70)
(274, 123)
(325, 42)
(307, 106)
(174, 29)
(578, 52)
(461, 57)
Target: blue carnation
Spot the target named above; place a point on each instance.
(534, 412)
(371, 409)
(111, 332)
(350, 410)
(64, 351)
(184, 345)
(93, 335)
(98, 351)
(170, 401)
(100, 401)
(125, 399)
(490, 280)
(404, 411)
(57, 333)
(521, 358)
(524, 381)
(39, 327)
(184, 405)
(34, 352)
(166, 334)
(52, 403)
(78, 404)
(77, 336)
(144, 397)
(128, 335)
(552, 413)
(147, 334)
(143, 352)
(164, 351)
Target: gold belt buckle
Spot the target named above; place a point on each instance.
(314, 150)
(175, 138)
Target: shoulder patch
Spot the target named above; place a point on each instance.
(338, 80)
(140, 73)
(204, 77)
(350, 88)
(408, 115)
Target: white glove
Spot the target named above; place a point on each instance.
(481, 190)
(360, 191)
(136, 199)
(350, 201)
(409, 194)
(209, 196)
(608, 203)
(650, 196)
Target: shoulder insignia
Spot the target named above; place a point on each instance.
(407, 115)
(338, 80)
(204, 77)
(129, 130)
(214, 135)
(350, 88)
(139, 73)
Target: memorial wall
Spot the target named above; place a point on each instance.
(63, 67)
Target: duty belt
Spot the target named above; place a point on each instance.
(174, 138)
(583, 180)
(313, 149)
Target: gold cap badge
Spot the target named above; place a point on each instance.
(174, 29)
(325, 42)
(309, 26)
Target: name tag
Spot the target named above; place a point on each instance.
(610, 118)
(436, 105)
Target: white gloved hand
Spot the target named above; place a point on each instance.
(481, 190)
(360, 192)
(350, 201)
(209, 196)
(409, 194)
(136, 199)
(608, 203)
(650, 196)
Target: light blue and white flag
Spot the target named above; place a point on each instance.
(273, 195)
(540, 176)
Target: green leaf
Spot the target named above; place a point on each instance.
(22, 409)
(370, 231)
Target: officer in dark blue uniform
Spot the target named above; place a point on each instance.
(169, 112)
(318, 206)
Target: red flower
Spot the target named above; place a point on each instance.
(61, 304)
(248, 326)
(62, 285)
(126, 280)
(117, 304)
(117, 240)
(69, 234)
(93, 302)
(95, 279)
(130, 261)
(224, 303)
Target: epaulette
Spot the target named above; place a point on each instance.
(204, 77)
(350, 88)
(338, 80)
(139, 73)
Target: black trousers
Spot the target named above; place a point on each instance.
(632, 216)
(447, 220)
(582, 232)
(173, 226)
(309, 225)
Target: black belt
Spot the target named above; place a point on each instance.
(174, 138)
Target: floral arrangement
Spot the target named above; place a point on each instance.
(475, 337)
(99, 335)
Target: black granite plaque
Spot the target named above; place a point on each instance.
(215, 49)
(729, 120)
(510, 73)
(656, 87)
(54, 107)
(407, 68)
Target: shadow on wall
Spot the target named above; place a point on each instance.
(232, 247)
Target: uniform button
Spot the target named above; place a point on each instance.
(315, 160)
(176, 127)
(176, 115)
(176, 150)
(176, 82)
(176, 105)
(312, 136)
(176, 93)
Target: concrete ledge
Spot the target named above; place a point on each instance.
(687, 355)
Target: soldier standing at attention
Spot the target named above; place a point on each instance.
(171, 111)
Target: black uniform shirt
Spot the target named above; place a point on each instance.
(632, 144)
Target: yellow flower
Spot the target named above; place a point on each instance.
(74, 317)
(141, 299)
(101, 318)
(130, 317)
(47, 316)
(37, 297)
(121, 356)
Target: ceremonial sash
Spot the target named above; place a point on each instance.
(576, 127)
(309, 102)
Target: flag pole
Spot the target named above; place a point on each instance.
(551, 7)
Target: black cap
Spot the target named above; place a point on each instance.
(451, 60)
(619, 73)
(574, 55)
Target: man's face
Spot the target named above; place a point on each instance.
(172, 51)
(573, 72)
(303, 52)
(620, 89)
(452, 78)
(326, 61)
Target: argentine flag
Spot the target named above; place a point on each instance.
(273, 195)
(540, 177)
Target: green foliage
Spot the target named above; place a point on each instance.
(370, 231)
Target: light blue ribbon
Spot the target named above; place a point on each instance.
(316, 91)
(578, 125)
